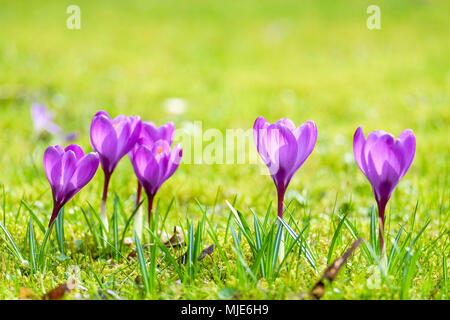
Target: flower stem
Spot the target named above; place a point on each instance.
(103, 215)
(137, 225)
(280, 215)
(150, 207)
(54, 215)
(138, 194)
(381, 210)
(280, 202)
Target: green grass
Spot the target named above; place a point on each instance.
(231, 61)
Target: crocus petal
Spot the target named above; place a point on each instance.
(160, 148)
(68, 163)
(358, 143)
(150, 133)
(52, 158)
(141, 160)
(306, 136)
(154, 175)
(102, 113)
(79, 153)
(167, 132)
(123, 130)
(383, 184)
(408, 144)
(174, 161)
(53, 128)
(155, 165)
(259, 133)
(383, 151)
(86, 169)
(104, 141)
(146, 168)
(43, 119)
(288, 123)
(282, 149)
(136, 127)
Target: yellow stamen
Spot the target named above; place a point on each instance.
(159, 150)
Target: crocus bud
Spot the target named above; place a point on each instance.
(148, 136)
(384, 161)
(284, 148)
(155, 164)
(68, 171)
(113, 138)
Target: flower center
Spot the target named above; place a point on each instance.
(159, 150)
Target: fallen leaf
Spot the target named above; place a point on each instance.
(331, 272)
(26, 294)
(176, 240)
(207, 251)
(138, 280)
(59, 292)
(132, 255)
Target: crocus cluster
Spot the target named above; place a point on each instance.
(147, 146)
(282, 146)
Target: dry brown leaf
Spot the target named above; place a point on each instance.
(207, 251)
(26, 294)
(132, 255)
(128, 241)
(59, 292)
(176, 240)
(331, 272)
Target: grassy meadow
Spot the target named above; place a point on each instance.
(228, 62)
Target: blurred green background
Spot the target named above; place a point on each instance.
(230, 62)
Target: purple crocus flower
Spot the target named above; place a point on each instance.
(284, 148)
(148, 136)
(43, 120)
(384, 161)
(150, 133)
(112, 139)
(68, 171)
(155, 164)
